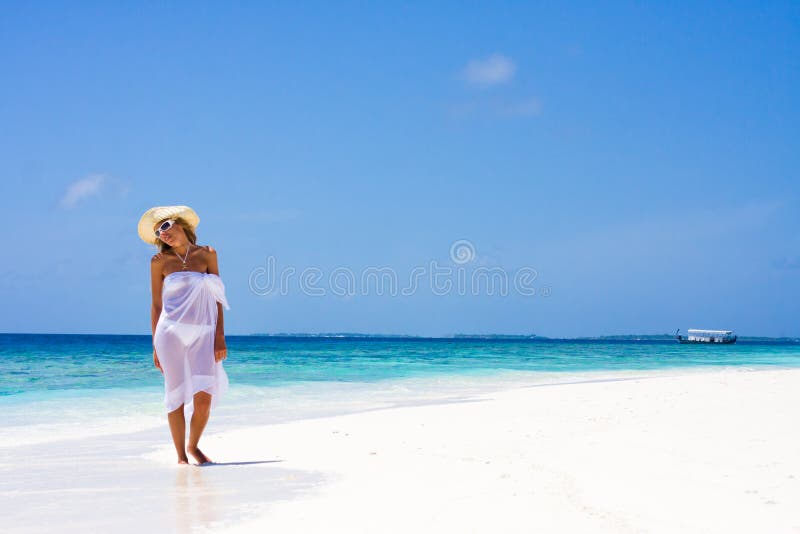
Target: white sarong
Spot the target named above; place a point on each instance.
(184, 337)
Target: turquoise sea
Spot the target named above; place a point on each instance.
(48, 365)
(53, 385)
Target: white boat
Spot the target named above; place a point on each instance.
(707, 336)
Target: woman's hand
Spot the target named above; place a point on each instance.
(156, 362)
(220, 350)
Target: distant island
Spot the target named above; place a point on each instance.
(398, 336)
(521, 337)
(335, 334)
(459, 336)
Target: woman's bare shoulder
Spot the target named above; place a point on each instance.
(210, 257)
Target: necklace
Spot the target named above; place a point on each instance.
(183, 260)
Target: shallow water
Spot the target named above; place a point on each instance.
(55, 387)
(36, 363)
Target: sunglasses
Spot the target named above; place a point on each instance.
(166, 225)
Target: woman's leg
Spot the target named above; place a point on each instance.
(177, 426)
(202, 409)
(169, 348)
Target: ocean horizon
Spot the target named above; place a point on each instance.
(627, 337)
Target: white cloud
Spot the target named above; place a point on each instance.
(529, 107)
(787, 263)
(81, 189)
(496, 109)
(494, 70)
(672, 236)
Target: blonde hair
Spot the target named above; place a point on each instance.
(190, 235)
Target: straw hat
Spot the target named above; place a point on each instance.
(158, 214)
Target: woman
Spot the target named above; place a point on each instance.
(187, 323)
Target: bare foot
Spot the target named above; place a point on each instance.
(199, 456)
(183, 460)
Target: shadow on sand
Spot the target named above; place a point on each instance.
(217, 464)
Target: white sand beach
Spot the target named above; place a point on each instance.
(667, 451)
(712, 451)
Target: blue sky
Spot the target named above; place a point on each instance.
(642, 158)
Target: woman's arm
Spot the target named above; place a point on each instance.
(156, 284)
(220, 349)
(220, 321)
